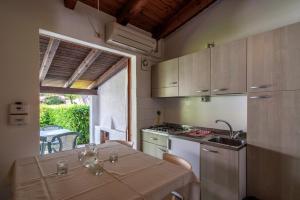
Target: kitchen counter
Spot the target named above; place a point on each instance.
(200, 135)
(205, 140)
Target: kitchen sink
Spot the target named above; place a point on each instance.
(227, 141)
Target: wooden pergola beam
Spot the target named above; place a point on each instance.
(122, 63)
(60, 90)
(48, 57)
(130, 10)
(70, 4)
(187, 12)
(83, 67)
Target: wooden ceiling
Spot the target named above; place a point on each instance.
(69, 65)
(160, 17)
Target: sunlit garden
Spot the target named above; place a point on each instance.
(67, 111)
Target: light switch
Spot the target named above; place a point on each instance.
(18, 108)
(18, 120)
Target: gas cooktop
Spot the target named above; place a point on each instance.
(183, 130)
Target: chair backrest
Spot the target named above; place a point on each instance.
(65, 141)
(177, 161)
(51, 127)
(126, 143)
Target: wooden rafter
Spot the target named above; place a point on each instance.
(59, 90)
(70, 4)
(123, 62)
(48, 57)
(191, 9)
(86, 63)
(130, 10)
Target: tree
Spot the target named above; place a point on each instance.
(71, 97)
(54, 100)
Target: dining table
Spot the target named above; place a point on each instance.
(135, 176)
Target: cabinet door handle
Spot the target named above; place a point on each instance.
(220, 90)
(199, 91)
(260, 86)
(153, 138)
(208, 150)
(174, 82)
(163, 150)
(260, 97)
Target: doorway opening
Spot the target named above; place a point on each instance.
(85, 91)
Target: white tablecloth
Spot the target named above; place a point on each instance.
(135, 176)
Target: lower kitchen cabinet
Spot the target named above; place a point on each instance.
(223, 173)
(273, 151)
(154, 144)
(153, 149)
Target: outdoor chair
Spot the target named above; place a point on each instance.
(43, 144)
(63, 142)
(51, 127)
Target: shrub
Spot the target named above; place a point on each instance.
(72, 117)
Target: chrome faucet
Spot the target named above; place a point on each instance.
(231, 133)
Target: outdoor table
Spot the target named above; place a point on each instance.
(52, 133)
(135, 176)
(47, 136)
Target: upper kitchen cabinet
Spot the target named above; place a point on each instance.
(228, 68)
(273, 60)
(263, 61)
(290, 58)
(165, 78)
(194, 74)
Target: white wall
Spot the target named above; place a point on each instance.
(192, 111)
(20, 22)
(225, 21)
(113, 102)
(228, 20)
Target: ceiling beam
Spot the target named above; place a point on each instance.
(60, 90)
(187, 12)
(130, 10)
(48, 57)
(83, 67)
(70, 4)
(122, 63)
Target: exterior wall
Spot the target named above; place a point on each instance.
(113, 102)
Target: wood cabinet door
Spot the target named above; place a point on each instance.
(290, 58)
(165, 74)
(273, 60)
(219, 173)
(194, 74)
(228, 68)
(273, 151)
(263, 61)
